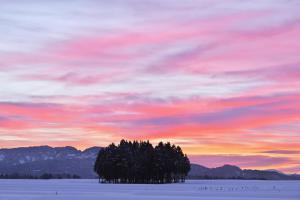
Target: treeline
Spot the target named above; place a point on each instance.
(140, 162)
(43, 176)
(207, 177)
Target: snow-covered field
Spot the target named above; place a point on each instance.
(202, 189)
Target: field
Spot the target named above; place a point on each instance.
(202, 189)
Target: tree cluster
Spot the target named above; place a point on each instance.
(140, 162)
(42, 176)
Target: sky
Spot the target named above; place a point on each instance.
(219, 78)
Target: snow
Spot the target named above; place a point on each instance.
(45, 157)
(21, 161)
(200, 189)
(2, 157)
(30, 159)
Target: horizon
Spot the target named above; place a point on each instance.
(219, 79)
(199, 164)
(207, 165)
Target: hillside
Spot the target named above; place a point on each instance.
(44, 159)
(234, 172)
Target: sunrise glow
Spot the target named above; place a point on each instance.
(219, 78)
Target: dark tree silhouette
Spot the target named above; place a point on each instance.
(140, 162)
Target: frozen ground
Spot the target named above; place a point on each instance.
(202, 189)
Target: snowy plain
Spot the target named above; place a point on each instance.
(198, 189)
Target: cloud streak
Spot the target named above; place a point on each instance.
(206, 75)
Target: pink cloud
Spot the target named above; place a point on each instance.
(75, 78)
(201, 76)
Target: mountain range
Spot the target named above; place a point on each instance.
(36, 161)
(234, 172)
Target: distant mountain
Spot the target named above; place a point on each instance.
(39, 160)
(234, 172)
(44, 159)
